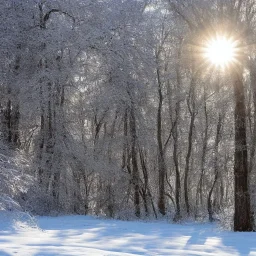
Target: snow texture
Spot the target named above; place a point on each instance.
(83, 235)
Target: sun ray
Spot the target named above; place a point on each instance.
(220, 51)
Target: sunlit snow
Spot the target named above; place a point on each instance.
(82, 235)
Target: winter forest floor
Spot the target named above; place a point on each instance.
(83, 235)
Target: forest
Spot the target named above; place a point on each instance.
(130, 109)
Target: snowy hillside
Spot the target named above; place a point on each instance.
(88, 236)
(14, 179)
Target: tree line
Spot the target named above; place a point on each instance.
(119, 113)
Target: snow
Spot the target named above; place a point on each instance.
(84, 235)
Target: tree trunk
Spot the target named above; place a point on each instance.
(177, 216)
(11, 120)
(175, 135)
(145, 188)
(161, 161)
(253, 138)
(199, 192)
(191, 107)
(242, 216)
(135, 168)
(216, 170)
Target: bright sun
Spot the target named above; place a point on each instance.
(220, 51)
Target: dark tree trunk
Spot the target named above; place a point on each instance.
(199, 192)
(251, 174)
(242, 216)
(15, 125)
(175, 135)
(191, 107)
(177, 168)
(161, 161)
(135, 168)
(8, 116)
(216, 170)
(125, 142)
(11, 123)
(145, 188)
(41, 138)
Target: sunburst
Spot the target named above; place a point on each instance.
(221, 51)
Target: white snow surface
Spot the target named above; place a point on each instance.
(85, 235)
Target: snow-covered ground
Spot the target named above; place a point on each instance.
(83, 235)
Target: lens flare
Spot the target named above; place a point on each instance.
(221, 51)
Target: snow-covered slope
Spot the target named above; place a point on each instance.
(87, 236)
(14, 184)
(14, 178)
